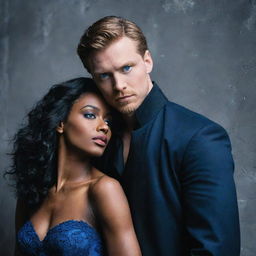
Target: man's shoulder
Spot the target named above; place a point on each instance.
(183, 118)
(181, 124)
(176, 111)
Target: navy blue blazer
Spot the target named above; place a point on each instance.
(178, 179)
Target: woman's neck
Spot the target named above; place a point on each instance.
(72, 166)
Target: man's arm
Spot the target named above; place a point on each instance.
(209, 194)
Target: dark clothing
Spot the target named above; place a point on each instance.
(178, 180)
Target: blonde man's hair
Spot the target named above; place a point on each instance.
(105, 31)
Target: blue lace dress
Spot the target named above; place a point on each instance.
(68, 238)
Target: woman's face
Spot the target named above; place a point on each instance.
(87, 128)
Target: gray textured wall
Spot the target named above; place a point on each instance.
(204, 53)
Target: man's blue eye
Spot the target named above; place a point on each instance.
(104, 76)
(89, 116)
(127, 68)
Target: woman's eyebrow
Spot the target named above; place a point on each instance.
(90, 106)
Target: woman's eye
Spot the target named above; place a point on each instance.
(127, 68)
(108, 122)
(89, 115)
(104, 76)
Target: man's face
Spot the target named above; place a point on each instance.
(122, 74)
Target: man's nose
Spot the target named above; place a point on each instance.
(119, 82)
(102, 126)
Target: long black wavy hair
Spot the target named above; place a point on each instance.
(34, 155)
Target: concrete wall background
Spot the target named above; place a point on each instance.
(204, 58)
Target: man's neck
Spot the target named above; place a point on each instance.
(130, 121)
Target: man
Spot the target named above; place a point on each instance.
(175, 165)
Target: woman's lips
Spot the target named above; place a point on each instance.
(101, 140)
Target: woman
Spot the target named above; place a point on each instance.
(63, 201)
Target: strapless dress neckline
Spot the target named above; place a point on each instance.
(29, 222)
(68, 238)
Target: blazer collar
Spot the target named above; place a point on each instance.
(151, 105)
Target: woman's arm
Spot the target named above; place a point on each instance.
(113, 211)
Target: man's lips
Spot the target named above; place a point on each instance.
(124, 98)
(101, 140)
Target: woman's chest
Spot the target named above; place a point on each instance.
(72, 204)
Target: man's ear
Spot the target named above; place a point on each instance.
(60, 127)
(148, 61)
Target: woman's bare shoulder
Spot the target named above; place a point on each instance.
(104, 185)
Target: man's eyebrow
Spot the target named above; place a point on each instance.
(102, 71)
(99, 72)
(90, 106)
